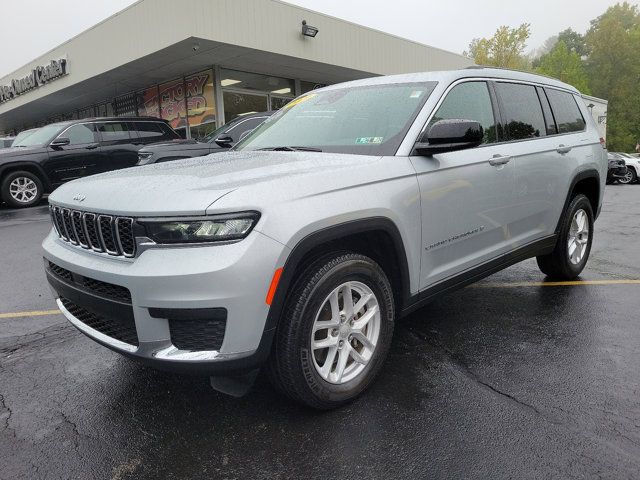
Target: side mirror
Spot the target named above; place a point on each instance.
(60, 142)
(449, 136)
(225, 141)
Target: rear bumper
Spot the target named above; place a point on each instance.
(227, 282)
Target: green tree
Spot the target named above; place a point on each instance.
(505, 49)
(565, 65)
(613, 67)
(574, 41)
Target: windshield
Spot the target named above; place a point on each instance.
(369, 120)
(40, 137)
(21, 136)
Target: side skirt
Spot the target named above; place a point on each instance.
(543, 246)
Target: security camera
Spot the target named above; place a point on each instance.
(196, 47)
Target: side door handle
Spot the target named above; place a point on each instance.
(562, 149)
(92, 146)
(498, 160)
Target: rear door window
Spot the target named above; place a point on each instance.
(155, 131)
(469, 101)
(114, 132)
(568, 115)
(522, 116)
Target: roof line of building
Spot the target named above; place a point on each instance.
(369, 28)
(275, 1)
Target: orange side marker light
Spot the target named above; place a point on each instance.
(274, 286)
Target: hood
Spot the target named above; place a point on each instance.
(172, 145)
(190, 186)
(12, 153)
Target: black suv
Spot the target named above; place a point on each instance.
(64, 151)
(219, 140)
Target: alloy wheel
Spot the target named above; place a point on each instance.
(345, 332)
(578, 237)
(23, 189)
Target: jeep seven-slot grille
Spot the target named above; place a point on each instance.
(101, 233)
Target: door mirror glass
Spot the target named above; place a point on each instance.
(451, 135)
(60, 142)
(225, 141)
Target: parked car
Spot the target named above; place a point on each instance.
(633, 168)
(64, 151)
(351, 207)
(617, 168)
(220, 140)
(5, 142)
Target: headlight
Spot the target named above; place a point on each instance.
(219, 228)
(144, 157)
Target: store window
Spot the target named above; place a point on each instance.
(255, 81)
(237, 104)
(201, 107)
(308, 86)
(125, 105)
(173, 107)
(148, 105)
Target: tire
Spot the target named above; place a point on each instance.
(13, 192)
(560, 264)
(295, 367)
(629, 178)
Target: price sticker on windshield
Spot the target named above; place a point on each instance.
(369, 140)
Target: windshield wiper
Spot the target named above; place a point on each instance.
(291, 149)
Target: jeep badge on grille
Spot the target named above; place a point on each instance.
(79, 198)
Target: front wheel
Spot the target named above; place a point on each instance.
(335, 332)
(571, 253)
(21, 189)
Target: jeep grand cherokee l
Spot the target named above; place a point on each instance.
(349, 208)
(220, 140)
(57, 153)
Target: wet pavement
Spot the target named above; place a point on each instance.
(492, 382)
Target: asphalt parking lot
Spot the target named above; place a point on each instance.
(505, 379)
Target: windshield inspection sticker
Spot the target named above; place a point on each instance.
(298, 101)
(416, 94)
(369, 140)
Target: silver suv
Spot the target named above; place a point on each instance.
(353, 206)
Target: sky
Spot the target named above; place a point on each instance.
(447, 24)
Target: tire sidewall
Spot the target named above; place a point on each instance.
(580, 202)
(6, 195)
(352, 270)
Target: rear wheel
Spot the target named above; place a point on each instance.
(571, 253)
(335, 332)
(21, 189)
(629, 177)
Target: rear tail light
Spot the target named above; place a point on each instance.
(603, 142)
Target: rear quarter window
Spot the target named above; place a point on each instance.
(566, 111)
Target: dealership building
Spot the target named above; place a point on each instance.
(201, 63)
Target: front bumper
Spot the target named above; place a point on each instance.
(233, 278)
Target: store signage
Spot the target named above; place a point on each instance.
(38, 77)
